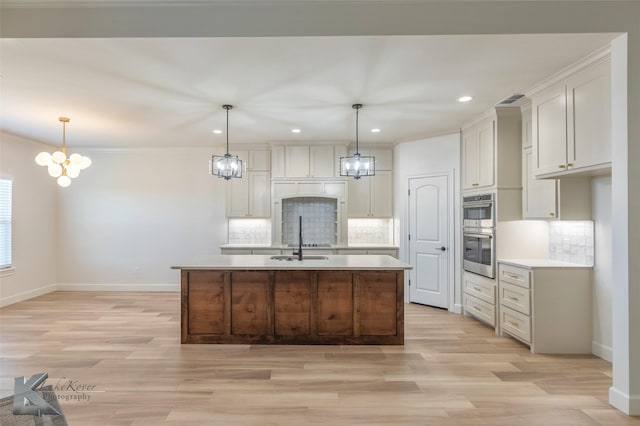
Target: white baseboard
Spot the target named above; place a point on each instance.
(117, 287)
(630, 405)
(6, 301)
(602, 351)
(457, 308)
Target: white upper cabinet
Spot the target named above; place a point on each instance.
(478, 153)
(572, 123)
(371, 196)
(250, 196)
(589, 136)
(296, 161)
(538, 195)
(321, 161)
(306, 161)
(492, 160)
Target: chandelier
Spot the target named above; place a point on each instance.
(226, 166)
(59, 165)
(357, 165)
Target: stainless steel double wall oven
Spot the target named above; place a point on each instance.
(479, 224)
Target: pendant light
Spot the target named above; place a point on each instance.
(226, 166)
(59, 165)
(357, 165)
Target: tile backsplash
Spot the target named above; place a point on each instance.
(250, 231)
(371, 231)
(572, 241)
(319, 220)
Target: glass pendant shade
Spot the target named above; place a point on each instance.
(59, 165)
(357, 166)
(226, 166)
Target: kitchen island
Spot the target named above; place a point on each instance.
(340, 299)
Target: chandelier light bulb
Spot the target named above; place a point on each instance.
(75, 159)
(64, 181)
(55, 170)
(85, 162)
(72, 171)
(43, 159)
(59, 157)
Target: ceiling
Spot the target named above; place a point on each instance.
(169, 92)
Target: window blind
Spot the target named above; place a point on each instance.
(5, 223)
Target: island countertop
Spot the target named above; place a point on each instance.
(264, 262)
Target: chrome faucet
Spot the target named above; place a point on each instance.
(299, 252)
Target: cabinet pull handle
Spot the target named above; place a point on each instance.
(513, 298)
(513, 323)
(562, 166)
(515, 277)
(477, 309)
(475, 184)
(569, 164)
(552, 214)
(477, 288)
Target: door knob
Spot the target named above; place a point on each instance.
(442, 249)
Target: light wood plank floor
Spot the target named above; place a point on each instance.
(451, 371)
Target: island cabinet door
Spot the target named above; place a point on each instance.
(375, 300)
(205, 300)
(335, 303)
(292, 301)
(251, 303)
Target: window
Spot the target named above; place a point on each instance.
(5, 223)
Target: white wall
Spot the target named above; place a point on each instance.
(134, 213)
(34, 221)
(439, 154)
(602, 272)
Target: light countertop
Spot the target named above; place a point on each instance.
(287, 247)
(261, 262)
(542, 263)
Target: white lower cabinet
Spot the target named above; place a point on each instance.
(546, 307)
(479, 297)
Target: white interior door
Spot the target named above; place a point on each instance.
(428, 241)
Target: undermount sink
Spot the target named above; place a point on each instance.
(293, 257)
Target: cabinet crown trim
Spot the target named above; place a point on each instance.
(600, 55)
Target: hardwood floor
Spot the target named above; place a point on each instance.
(124, 348)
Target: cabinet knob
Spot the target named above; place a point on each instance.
(561, 166)
(569, 164)
(552, 214)
(475, 184)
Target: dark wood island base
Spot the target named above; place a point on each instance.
(293, 307)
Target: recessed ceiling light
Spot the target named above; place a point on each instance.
(295, 130)
(375, 130)
(464, 98)
(217, 131)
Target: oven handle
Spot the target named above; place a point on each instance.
(466, 234)
(467, 205)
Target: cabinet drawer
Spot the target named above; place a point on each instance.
(480, 289)
(479, 309)
(515, 324)
(514, 297)
(514, 275)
